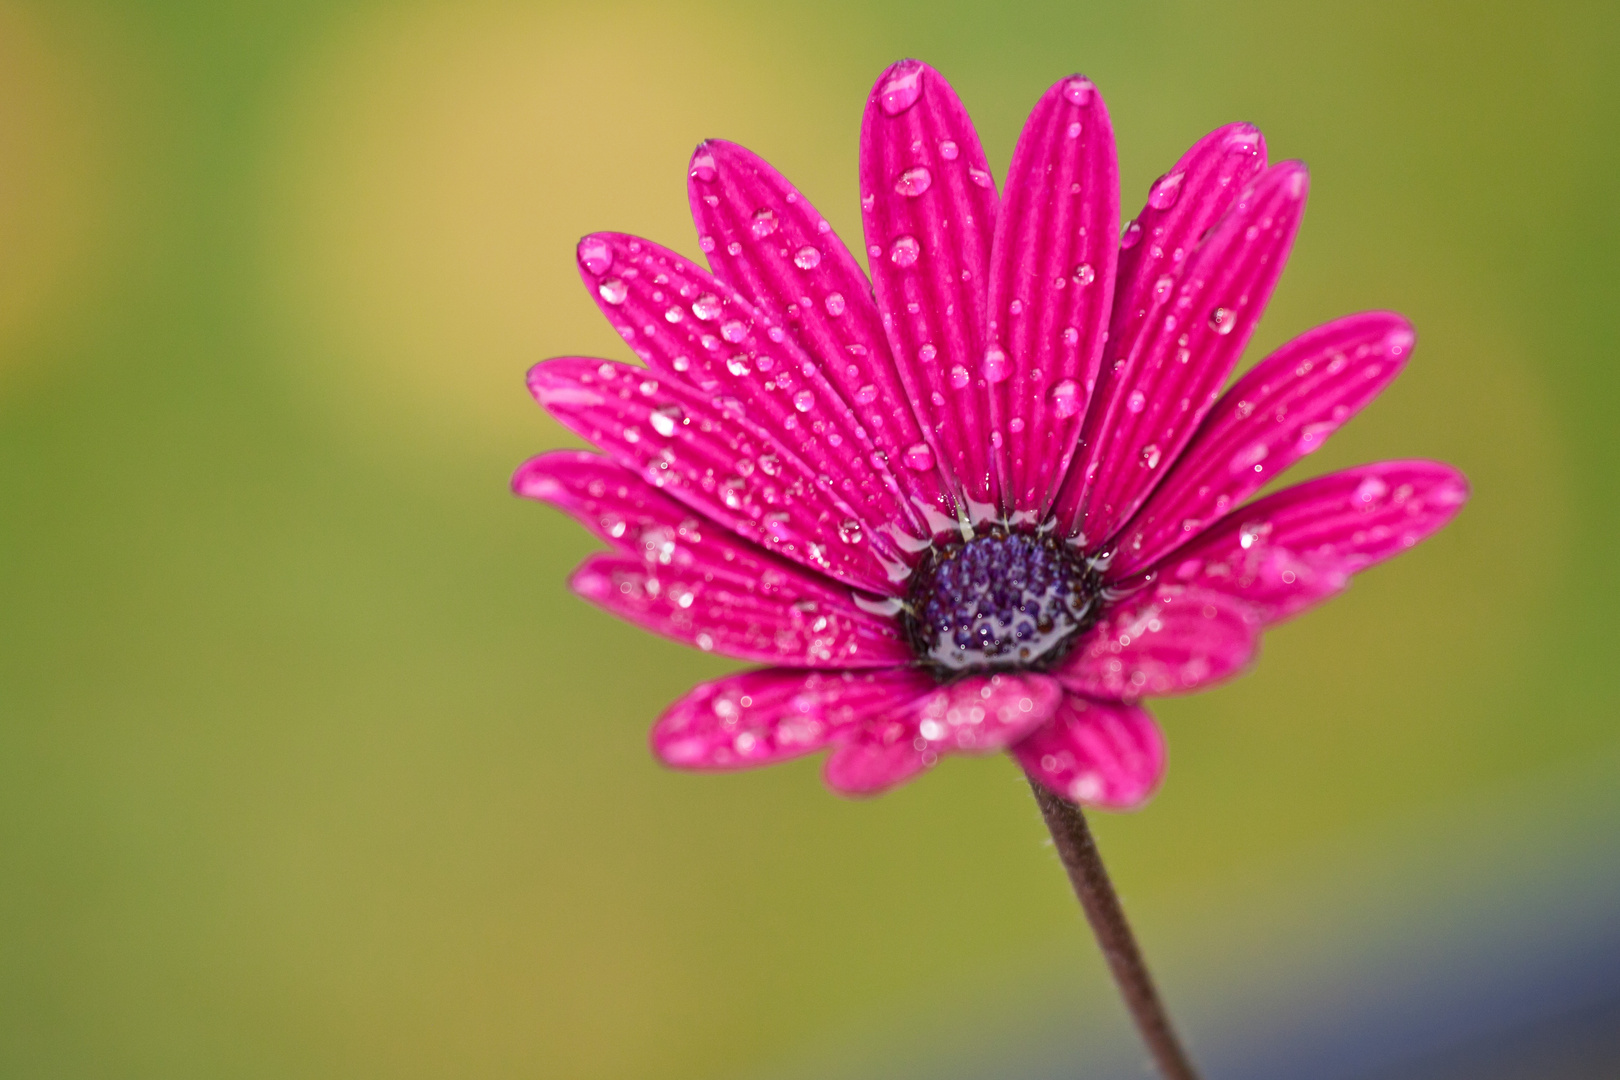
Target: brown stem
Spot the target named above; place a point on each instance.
(1081, 859)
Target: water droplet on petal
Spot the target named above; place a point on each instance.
(1071, 336)
(733, 330)
(849, 531)
(1066, 398)
(1370, 491)
(866, 394)
(902, 89)
(996, 367)
(663, 420)
(807, 258)
(1313, 435)
(1078, 90)
(674, 315)
(1084, 274)
(1074, 130)
(1165, 191)
(706, 243)
(1150, 456)
(804, 401)
(1132, 234)
(1136, 402)
(707, 307)
(613, 291)
(763, 225)
(1221, 320)
(738, 365)
(1400, 342)
(904, 251)
(960, 377)
(595, 255)
(1248, 458)
(919, 457)
(948, 150)
(914, 182)
(979, 176)
(1162, 287)
(703, 167)
(835, 304)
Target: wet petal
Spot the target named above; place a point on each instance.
(1280, 411)
(762, 717)
(1098, 753)
(1294, 549)
(1051, 289)
(974, 715)
(1186, 350)
(703, 451)
(691, 328)
(1170, 639)
(765, 240)
(929, 208)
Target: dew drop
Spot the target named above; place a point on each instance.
(1136, 402)
(1165, 191)
(738, 365)
(835, 304)
(706, 243)
(919, 457)
(948, 150)
(1313, 435)
(613, 291)
(804, 401)
(1078, 90)
(995, 367)
(904, 251)
(733, 330)
(914, 182)
(1221, 320)
(1074, 130)
(663, 420)
(903, 88)
(866, 394)
(707, 307)
(1084, 274)
(595, 255)
(807, 258)
(1066, 398)
(979, 176)
(674, 315)
(763, 225)
(1150, 456)
(960, 377)
(703, 167)
(1162, 287)
(849, 531)
(1071, 336)
(1132, 234)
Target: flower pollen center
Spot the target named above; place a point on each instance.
(1000, 602)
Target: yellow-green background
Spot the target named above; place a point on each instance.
(310, 766)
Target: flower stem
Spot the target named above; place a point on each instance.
(1083, 862)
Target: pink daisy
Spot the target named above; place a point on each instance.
(994, 497)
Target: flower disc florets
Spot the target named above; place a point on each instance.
(1003, 601)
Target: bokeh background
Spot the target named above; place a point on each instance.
(310, 766)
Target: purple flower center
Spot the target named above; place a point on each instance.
(1000, 602)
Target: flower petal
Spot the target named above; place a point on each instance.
(762, 717)
(689, 579)
(1191, 341)
(1099, 753)
(704, 452)
(1170, 639)
(929, 208)
(973, 715)
(1276, 414)
(1051, 289)
(766, 240)
(1292, 550)
(692, 328)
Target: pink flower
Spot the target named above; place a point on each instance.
(995, 497)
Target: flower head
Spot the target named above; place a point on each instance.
(993, 497)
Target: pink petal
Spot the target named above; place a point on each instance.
(1186, 350)
(1100, 753)
(765, 239)
(972, 715)
(1291, 550)
(1276, 414)
(691, 328)
(704, 452)
(689, 579)
(1051, 289)
(1182, 206)
(929, 208)
(1166, 640)
(737, 617)
(762, 717)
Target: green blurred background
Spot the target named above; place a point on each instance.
(309, 764)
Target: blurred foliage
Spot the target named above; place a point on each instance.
(310, 766)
